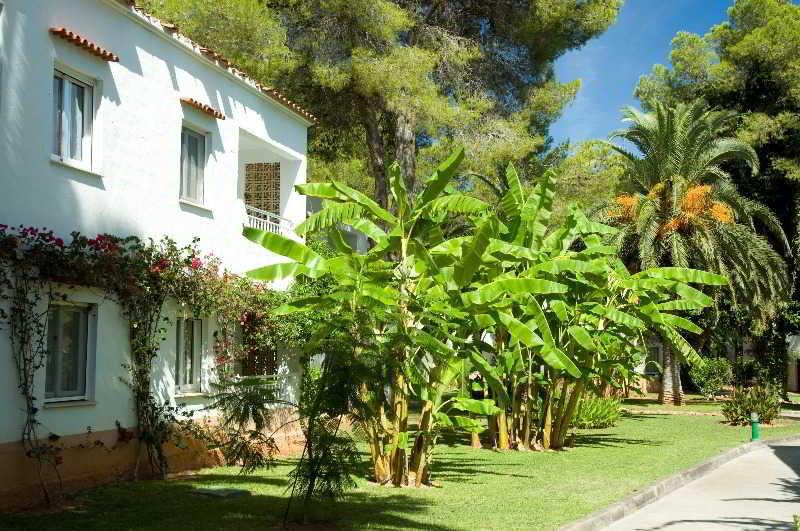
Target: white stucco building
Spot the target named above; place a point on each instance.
(112, 122)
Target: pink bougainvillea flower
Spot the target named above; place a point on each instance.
(59, 242)
(196, 263)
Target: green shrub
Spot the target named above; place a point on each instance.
(744, 371)
(712, 376)
(762, 400)
(597, 412)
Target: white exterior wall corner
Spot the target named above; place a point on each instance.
(133, 185)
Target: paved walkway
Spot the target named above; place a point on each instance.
(759, 490)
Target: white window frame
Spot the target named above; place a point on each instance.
(87, 339)
(62, 136)
(203, 143)
(198, 343)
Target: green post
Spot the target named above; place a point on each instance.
(755, 427)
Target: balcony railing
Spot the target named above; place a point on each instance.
(267, 221)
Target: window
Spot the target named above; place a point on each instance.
(262, 186)
(67, 349)
(72, 119)
(187, 360)
(193, 161)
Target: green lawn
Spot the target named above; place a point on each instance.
(692, 402)
(480, 489)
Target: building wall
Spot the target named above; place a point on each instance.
(133, 183)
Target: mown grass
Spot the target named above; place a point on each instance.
(479, 489)
(692, 402)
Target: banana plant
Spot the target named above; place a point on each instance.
(552, 299)
(397, 283)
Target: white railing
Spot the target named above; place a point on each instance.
(267, 221)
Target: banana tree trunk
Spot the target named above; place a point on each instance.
(419, 454)
(569, 412)
(502, 429)
(399, 455)
(475, 440)
(547, 421)
(516, 413)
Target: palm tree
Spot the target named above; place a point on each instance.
(683, 210)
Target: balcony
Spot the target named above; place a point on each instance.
(269, 222)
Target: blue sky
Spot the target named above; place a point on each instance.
(610, 65)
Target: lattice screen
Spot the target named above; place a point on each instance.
(262, 186)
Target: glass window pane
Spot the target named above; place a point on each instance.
(51, 370)
(76, 121)
(178, 350)
(201, 159)
(187, 352)
(70, 337)
(197, 336)
(65, 371)
(192, 160)
(58, 101)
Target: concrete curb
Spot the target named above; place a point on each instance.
(651, 493)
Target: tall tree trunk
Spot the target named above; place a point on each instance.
(405, 148)
(671, 389)
(375, 150)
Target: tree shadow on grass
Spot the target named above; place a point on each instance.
(604, 440)
(179, 505)
(466, 470)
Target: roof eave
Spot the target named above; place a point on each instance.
(156, 27)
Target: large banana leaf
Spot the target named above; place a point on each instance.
(458, 422)
(397, 185)
(582, 338)
(476, 407)
(535, 213)
(490, 374)
(555, 358)
(444, 174)
(457, 204)
(285, 247)
(680, 345)
(514, 286)
(320, 190)
(279, 271)
(374, 208)
(332, 214)
(684, 274)
(472, 251)
(519, 331)
(511, 202)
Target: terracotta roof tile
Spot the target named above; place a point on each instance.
(208, 109)
(84, 43)
(222, 62)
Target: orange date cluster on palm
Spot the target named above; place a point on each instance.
(696, 206)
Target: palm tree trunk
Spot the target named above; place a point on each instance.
(671, 388)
